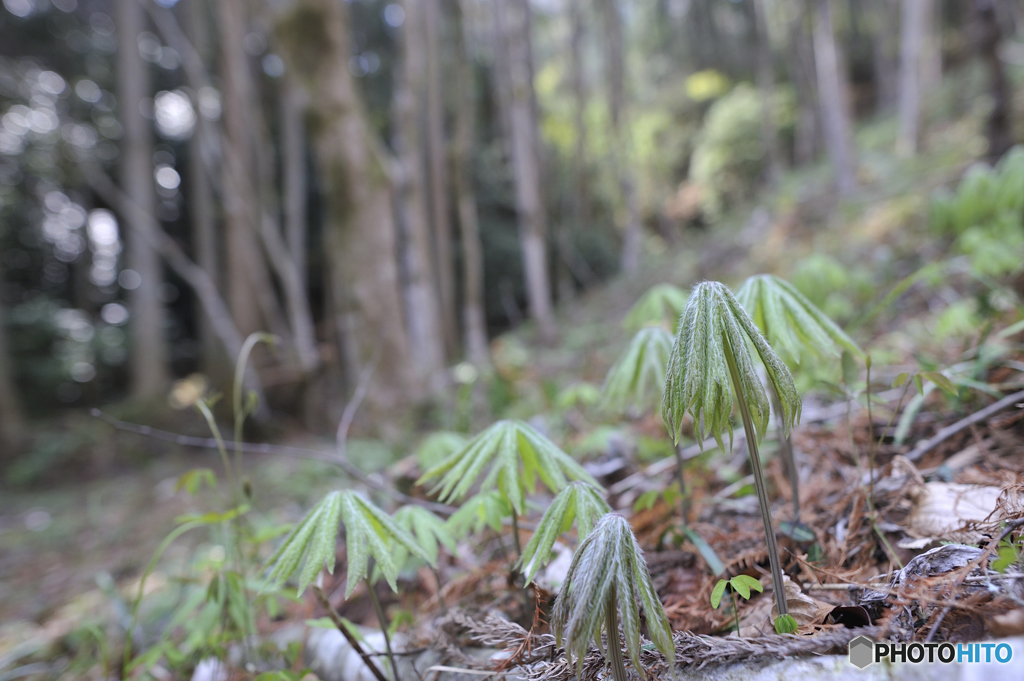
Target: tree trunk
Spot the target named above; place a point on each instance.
(931, 49)
(360, 227)
(512, 19)
(615, 63)
(293, 162)
(474, 318)
(766, 84)
(800, 51)
(200, 194)
(580, 199)
(148, 348)
(437, 156)
(12, 419)
(988, 36)
(912, 28)
(423, 309)
(832, 98)
(886, 19)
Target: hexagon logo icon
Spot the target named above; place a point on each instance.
(862, 652)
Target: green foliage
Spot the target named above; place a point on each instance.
(697, 377)
(369, 532)
(1009, 554)
(661, 304)
(429, 531)
(504, 447)
(608, 571)
(437, 446)
(789, 320)
(740, 584)
(637, 379)
(193, 480)
(580, 394)
(486, 509)
(785, 624)
(579, 501)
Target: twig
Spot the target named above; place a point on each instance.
(278, 450)
(321, 598)
(949, 431)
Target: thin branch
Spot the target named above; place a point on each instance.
(949, 431)
(321, 598)
(277, 450)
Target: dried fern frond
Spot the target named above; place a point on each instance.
(661, 304)
(579, 501)
(789, 320)
(608, 571)
(369, 531)
(697, 378)
(505, 447)
(637, 379)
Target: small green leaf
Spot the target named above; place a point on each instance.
(646, 501)
(785, 624)
(193, 480)
(705, 551)
(637, 379)
(941, 382)
(900, 379)
(796, 531)
(213, 517)
(744, 584)
(919, 384)
(1007, 557)
(717, 593)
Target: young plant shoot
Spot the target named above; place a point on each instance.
(505, 447)
(579, 501)
(793, 323)
(711, 362)
(608, 577)
(661, 304)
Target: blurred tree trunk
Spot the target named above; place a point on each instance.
(580, 199)
(423, 309)
(512, 19)
(360, 244)
(200, 193)
(931, 49)
(12, 419)
(987, 38)
(885, 18)
(832, 98)
(437, 155)
(148, 348)
(765, 70)
(250, 292)
(807, 138)
(293, 169)
(474, 318)
(615, 67)
(912, 28)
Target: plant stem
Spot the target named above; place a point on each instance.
(321, 597)
(515, 535)
(614, 650)
(684, 501)
(383, 619)
(871, 446)
(440, 593)
(204, 409)
(786, 447)
(762, 491)
(735, 610)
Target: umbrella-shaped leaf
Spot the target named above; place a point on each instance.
(697, 379)
(608, 570)
(501, 450)
(313, 539)
(429, 531)
(579, 501)
(661, 304)
(637, 379)
(789, 320)
(438, 445)
(486, 509)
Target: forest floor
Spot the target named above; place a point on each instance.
(72, 551)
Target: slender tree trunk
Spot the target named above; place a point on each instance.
(807, 140)
(360, 227)
(912, 28)
(615, 63)
(885, 16)
(833, 101)
(437, 155)
(474, 319)
(580, 199)
(512, 19)
(293, 162)
(148, 349)
(988, 37)
(423, 309)
(12, 419)
(200, 192)
(766, 84)
(931, 49)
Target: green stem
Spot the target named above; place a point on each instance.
(236, 392)
(177, 532)
(204, 409)
(762, 490)
(615, 660)
(735, 610)
(383, 619)
(515, 535)
(684, 500)
(871, 447)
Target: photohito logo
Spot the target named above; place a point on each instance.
(865, 652)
